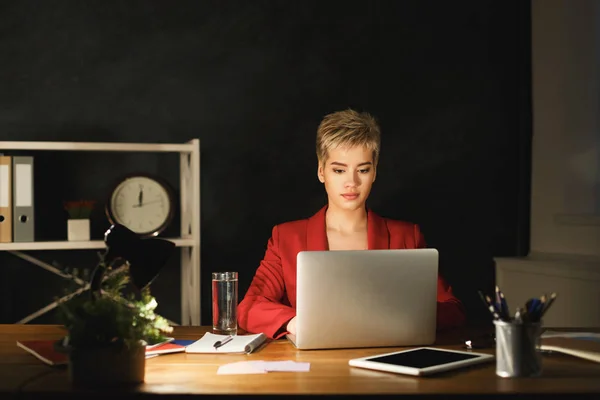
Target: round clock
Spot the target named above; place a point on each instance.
(142, 203)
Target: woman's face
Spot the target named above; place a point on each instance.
(348, 174)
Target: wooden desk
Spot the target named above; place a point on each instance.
(23, 376)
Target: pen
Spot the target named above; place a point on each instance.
(518, 316)
(497, 298)
(494, 313)
(501, 305)
(548, 304)
(490, 305)
(483, 298)
(220, 343)
(504, 307)
(540, 307)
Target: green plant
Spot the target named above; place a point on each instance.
(110, 317)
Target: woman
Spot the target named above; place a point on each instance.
(348, 145)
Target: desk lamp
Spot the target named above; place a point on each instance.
(97, 332)
(145, 257)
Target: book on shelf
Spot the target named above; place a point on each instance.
(16, 199)
(6, 199)
(232, 344)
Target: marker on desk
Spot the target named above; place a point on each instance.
(220, 343)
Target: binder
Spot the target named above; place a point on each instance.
(5, 199)
(23, 216)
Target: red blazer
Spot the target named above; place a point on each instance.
(270, 301)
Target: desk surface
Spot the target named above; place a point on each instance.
(24, 376)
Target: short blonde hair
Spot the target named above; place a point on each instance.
(348, 128)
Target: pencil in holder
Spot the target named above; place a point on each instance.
(517, 348)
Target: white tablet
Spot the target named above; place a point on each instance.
(421, 361)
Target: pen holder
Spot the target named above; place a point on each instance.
(517, 349)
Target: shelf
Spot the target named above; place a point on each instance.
(98, 146)
(189, 174)
(74, 245)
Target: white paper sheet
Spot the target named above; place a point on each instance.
(262, 367)
(242, 367)
(582, 335)
(287, 366)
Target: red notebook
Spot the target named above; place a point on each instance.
(44, 350)
(165, 348)
(174, 346)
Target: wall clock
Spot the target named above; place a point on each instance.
(141, 202)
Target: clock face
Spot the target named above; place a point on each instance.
(142, 204)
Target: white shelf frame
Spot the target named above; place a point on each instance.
(189, 242)
(100, 146)
(80, 245)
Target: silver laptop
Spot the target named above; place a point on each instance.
(365, 298)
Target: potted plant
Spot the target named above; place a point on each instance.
(78, 224)
(108, 330)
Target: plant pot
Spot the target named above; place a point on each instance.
(108, 366)
(78, 229)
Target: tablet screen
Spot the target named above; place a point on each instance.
(423, 358)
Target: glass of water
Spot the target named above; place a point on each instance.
(224, 302)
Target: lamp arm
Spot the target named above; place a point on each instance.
(106, 261)
(97, 278)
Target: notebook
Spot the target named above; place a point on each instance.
(172, 346)
(365, 298)
(239, 344)
(44, 351)
(586, 346)
(153, 345)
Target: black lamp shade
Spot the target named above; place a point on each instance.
(146, 257)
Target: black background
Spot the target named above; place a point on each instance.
(449, 83)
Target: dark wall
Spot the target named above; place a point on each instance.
(448, 81)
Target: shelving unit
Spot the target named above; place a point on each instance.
(82, 245)
(188, 242)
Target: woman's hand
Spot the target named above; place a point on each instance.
(291, 326)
